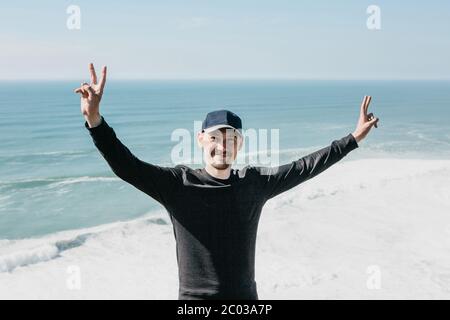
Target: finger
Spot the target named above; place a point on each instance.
(363, 105)
(84, 93)
(93, 74)
(84, 87)
(374, 122)
(103, 79)
(79, 89)
(90, 92)
(370, 117)
(369, 98)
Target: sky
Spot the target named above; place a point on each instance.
(232, 39)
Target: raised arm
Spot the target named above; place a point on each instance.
(156, 181)
(276, 180)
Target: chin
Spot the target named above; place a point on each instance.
(221, 166)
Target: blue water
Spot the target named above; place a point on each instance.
(52, 178)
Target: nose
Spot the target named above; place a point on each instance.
(221, 148)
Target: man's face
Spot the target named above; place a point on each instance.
(220, 147)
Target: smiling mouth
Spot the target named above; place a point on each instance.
(223, 155)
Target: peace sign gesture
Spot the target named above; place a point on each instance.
(365, 121)
(91, 95)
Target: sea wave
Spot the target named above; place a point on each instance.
(52, 182)
(25, 252)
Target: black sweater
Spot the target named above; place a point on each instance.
(214, 220)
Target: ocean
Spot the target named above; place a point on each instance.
(61, 205)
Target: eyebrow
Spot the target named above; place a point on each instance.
(227, 136)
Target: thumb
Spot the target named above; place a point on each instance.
(374, 121)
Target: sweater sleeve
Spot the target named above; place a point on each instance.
(275, 180)
(156, 181)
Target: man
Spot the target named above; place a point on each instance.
(214, 210)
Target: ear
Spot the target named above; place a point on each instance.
(200, 136)
(240, 142)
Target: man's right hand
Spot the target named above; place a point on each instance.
(91, 95)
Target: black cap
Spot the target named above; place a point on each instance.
(222, 119)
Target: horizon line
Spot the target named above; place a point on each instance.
(233, 79)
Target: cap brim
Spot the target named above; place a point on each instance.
(220, 126)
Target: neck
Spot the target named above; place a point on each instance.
(218, 173)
